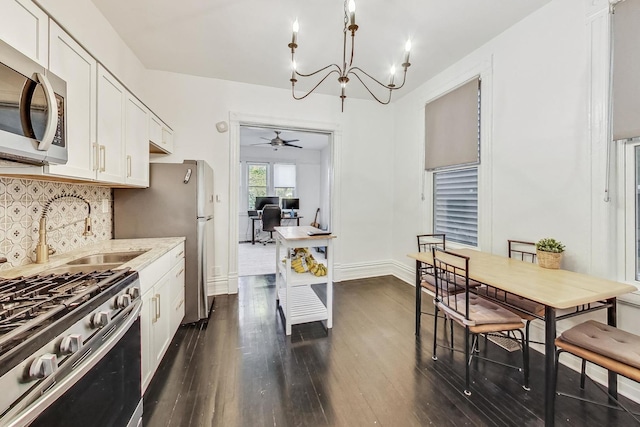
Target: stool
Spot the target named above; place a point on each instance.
(604, 345)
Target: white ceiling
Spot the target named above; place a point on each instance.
(250, 135)
(246, 40)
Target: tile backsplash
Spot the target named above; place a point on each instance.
(21, 205)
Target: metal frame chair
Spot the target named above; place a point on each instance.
(425, 279)
(475, 314)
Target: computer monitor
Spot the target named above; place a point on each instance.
(288, 204)
(261, 202)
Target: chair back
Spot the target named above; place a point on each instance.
(524, 251)
(452, 283)
(271, 215)
(428, 241)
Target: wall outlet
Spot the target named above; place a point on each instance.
(105, 206)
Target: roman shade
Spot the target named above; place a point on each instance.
(626, 70)
(452, 127)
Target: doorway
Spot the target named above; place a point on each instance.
(254, 142)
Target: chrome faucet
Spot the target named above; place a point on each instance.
(42, 248)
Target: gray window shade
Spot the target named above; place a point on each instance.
(452, 128)
(455, 207)
(626, 70)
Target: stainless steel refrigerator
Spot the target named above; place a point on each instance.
(178, 202)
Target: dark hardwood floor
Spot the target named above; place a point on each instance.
(241, 370)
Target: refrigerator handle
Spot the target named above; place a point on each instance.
(187, 176)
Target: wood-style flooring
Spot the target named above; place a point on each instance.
(241, 370)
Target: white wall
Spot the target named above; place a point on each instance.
(194, 104)
(539, 153)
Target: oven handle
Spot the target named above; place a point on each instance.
(48, 391)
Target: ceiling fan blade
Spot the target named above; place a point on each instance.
(291, 145)
(268, 139)
(262, 143)
(290, 140)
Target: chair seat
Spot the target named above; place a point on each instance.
(604, 340)
(429, 283)
(481, 312)
(526, 305)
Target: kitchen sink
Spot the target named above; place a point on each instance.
(84, 268)
(105, 259)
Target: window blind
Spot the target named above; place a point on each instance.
(284, 175)
(456, 205)
(626, 70)
(452, 127)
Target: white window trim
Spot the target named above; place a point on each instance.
(485, 71)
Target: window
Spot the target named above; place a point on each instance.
(632, 210)
(284, 180)
(257, 181)
(455, 205)
(452, 153)
(270, 179)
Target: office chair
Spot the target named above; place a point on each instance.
(271, 215)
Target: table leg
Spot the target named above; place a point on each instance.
(418, 298)
(298, 220)
(549, 365)
(612, 319)
(253, 231)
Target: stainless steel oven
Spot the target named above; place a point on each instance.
(77, 361)
(32, 110)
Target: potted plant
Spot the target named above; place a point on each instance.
(549, 252)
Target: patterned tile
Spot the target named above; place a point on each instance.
(21, 205)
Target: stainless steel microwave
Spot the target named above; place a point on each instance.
(32, 111)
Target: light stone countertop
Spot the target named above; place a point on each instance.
(155, 247)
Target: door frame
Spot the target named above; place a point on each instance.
(241, 119)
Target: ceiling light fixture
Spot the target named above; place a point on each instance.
(346, 69)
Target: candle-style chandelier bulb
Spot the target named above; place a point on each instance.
(346, 68)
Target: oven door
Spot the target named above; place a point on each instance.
(102, 386)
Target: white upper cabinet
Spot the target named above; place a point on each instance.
(136, 142)
(24, 26)
(69, 61)
(111, 128)
(160, 136)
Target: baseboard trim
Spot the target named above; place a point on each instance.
(362, 270)
(218, 286)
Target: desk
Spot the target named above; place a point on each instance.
(555, 289)
(258, 218)
(296, 299)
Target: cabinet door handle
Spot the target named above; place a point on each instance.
(155, 310)
(103, 158)
(180, 254)
(158, 305)
(128, 166)
(96, 160)
(179, 272)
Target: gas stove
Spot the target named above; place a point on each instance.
(50, 325)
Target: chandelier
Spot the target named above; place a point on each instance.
(345, 69)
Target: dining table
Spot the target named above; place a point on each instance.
(563, 293)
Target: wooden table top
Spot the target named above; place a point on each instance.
(300, 233)
(554, 288)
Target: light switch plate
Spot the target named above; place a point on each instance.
(105, 205)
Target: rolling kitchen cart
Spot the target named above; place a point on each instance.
(295, 297)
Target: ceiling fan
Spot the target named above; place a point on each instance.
(278, 142)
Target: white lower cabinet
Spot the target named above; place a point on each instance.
(162, 285)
